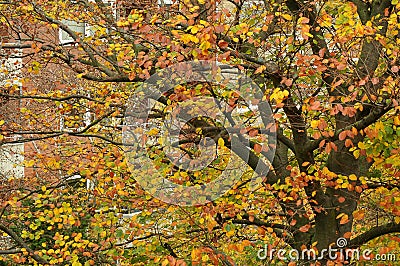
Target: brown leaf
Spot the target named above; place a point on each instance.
(223, 44)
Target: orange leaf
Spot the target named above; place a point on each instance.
(344, 219)
(253, 132)
(348, 143)
(354, 131)
(342, 135)
(328, 148)
(322, 143)
(359, 215)
(260, 69)
(251, 218)
(341, 199)
(257, 148)
(334, 147)
(347, 234)
(304, 228)
(358, 189)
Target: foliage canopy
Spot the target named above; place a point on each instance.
(329, 70)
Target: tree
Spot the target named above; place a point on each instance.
(329, 69)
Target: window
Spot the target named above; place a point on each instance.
(11, 159)
(10, 67)
(10, 80)
(112, 5)
(10, 84)
(84, 29)
(166, 3)
(78, 27)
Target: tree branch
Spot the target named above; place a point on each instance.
(11, 251)
(368, 120)
(374, 233)
(22, 243)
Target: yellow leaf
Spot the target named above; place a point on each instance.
(314, 123)
(205, 45)
(221, 142)
(153, 132)
(356, 154)
(287, 16)
(396, 121)
(29, 163)
(194, 29)
(203, 22)
(353, 177)
(230, 233)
